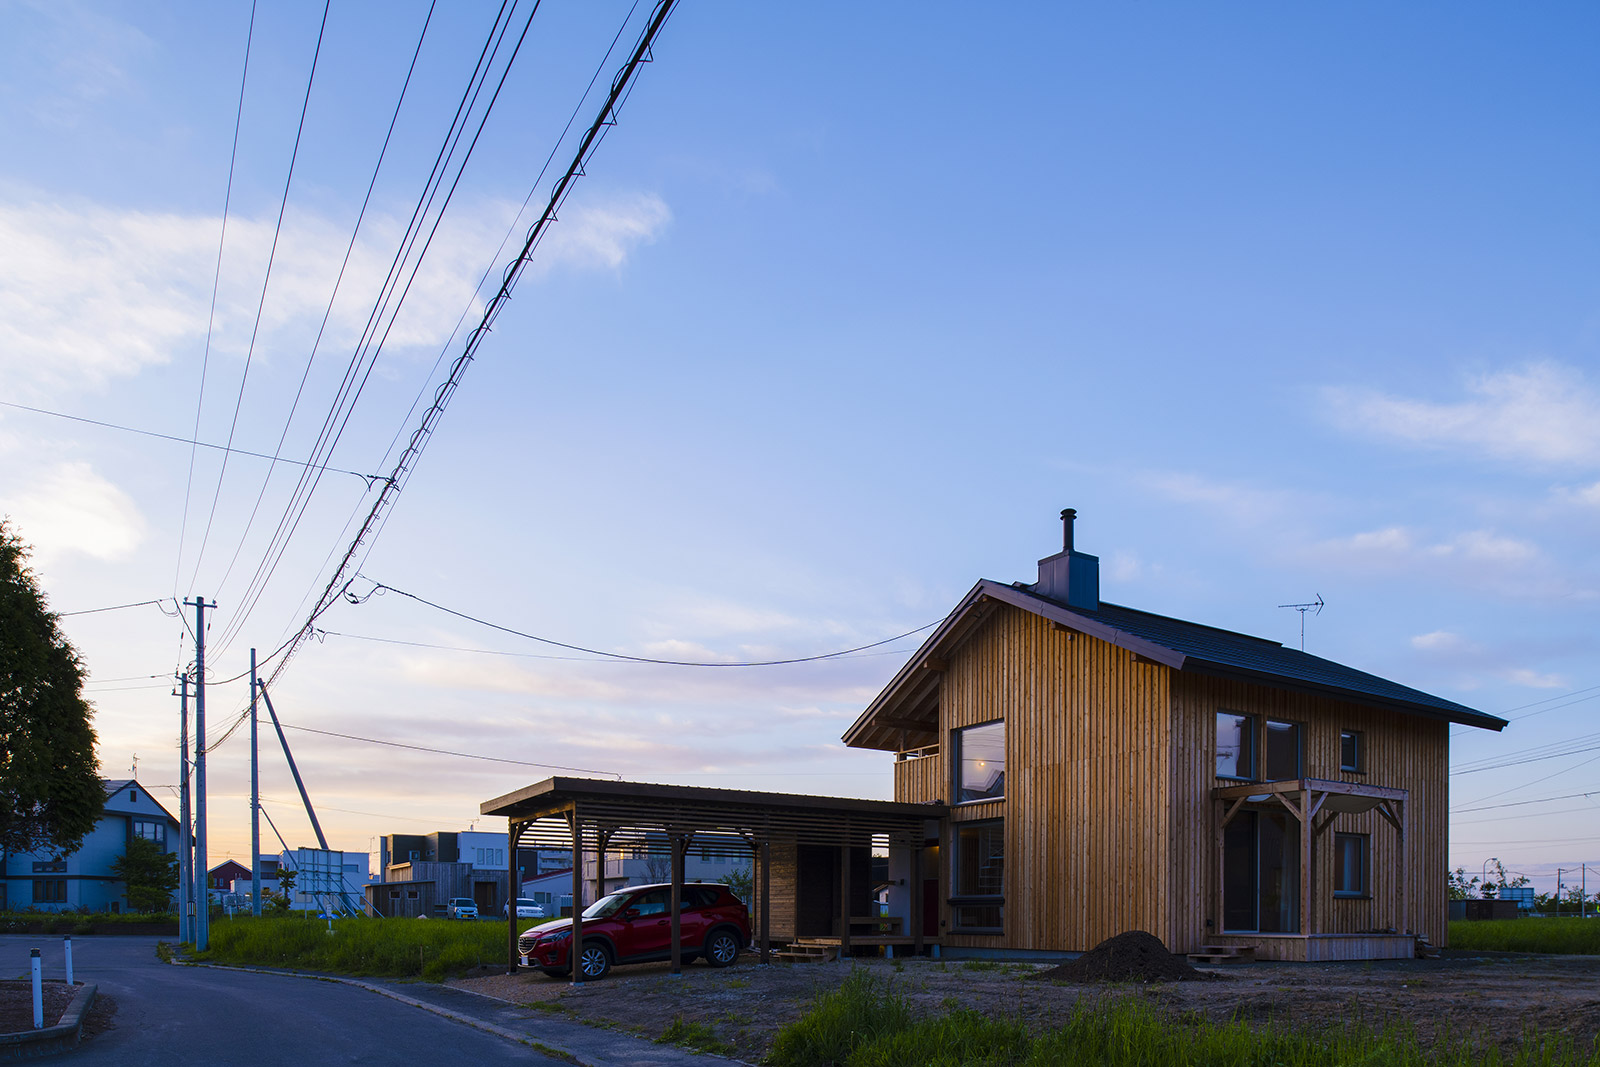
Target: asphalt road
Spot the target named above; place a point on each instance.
(207, 1016)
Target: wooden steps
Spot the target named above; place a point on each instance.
(1426, 950)
(804, 951)
(1212, 955)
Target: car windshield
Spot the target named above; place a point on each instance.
(523, 902)
(606, 907)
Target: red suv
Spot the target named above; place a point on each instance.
(634, 925)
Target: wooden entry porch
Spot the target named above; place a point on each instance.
(1314, 804)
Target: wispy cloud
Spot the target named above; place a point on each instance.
(1543, 412)
(89, 293)
(68, 508)
(1476, 662)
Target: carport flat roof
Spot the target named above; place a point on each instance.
(688, 809)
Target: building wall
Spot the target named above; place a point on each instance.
(1402, 752)
(1087, 737)
(89, 883)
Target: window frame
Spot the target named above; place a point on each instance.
(1358, 740)
(1363, 887)
(960, 901)
(957, 762)
(49, 890)
(1252, 726)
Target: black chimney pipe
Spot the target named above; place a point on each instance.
(1067, 515)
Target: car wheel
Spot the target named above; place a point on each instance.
(722, 947)
(594, 962)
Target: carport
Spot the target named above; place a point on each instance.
(591, 817)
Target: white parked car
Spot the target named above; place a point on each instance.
(526, 909)
(462, 908)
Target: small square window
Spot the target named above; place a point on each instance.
(1351, 756)
(1350, 865)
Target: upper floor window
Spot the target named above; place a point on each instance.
(1236, 745)
(980, 762)
(1352, 756)
(151, 830)
(1283, 751)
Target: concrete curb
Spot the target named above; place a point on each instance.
(31, 1044)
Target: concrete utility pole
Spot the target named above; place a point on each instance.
(255, 797)
(185, 845)
(202, 931)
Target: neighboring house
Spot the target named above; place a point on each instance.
(421, 871)
(82, 880)
(649, 863)
(224, 874)
(1109, 769)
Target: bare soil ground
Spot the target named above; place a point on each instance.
(1496, 997)
(16, 1007)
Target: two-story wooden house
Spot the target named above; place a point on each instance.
(1109, 769)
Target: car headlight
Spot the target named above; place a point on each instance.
(559, 935)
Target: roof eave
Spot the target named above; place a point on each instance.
(1464, 717)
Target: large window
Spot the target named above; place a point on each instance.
(980, 762)
(151, 830)
(978, 876)
(1283, 751)
(49, 890)
(1236, 745)
(1350, 865)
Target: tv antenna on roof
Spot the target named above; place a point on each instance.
(1315, 607)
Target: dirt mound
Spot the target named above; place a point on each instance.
(1131, 957)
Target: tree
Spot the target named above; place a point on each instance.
(1461, 887)
(150, 873)
(50, 790)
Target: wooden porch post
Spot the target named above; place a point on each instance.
(844, 901)
(575, 944)
(766, 901)
(513, 832)
(1404, 926)
(916, 900)
(1305, 859)
(1222, 874)
(680, 846)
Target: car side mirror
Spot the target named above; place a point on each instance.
(629, 914)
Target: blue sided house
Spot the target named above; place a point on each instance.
(82, 880)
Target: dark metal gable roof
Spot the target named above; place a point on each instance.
(1175, 643)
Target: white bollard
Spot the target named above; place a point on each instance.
(67, 943)
(38, 993)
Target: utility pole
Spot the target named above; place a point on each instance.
(202, 931)
(255, 799)
(185, 845)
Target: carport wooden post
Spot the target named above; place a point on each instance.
(680, 846)
(766, 901)
(513, 831)
(575, 943)
(844, 901)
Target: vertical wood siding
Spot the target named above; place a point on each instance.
(922, 780)
(1401, 751)
(1087, 837)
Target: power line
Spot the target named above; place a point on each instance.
(316, 344)
(442, 395)
(1523, 803)
(320, 634)
(216, 284)
(266, 280)
(115, 607)
(183, 440)
(349, 392)
(449, 752)
(648, 659)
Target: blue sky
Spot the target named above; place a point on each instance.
(850, 304)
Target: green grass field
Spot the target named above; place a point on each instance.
(387, 948)
(865, 1023)
(1572, 936)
